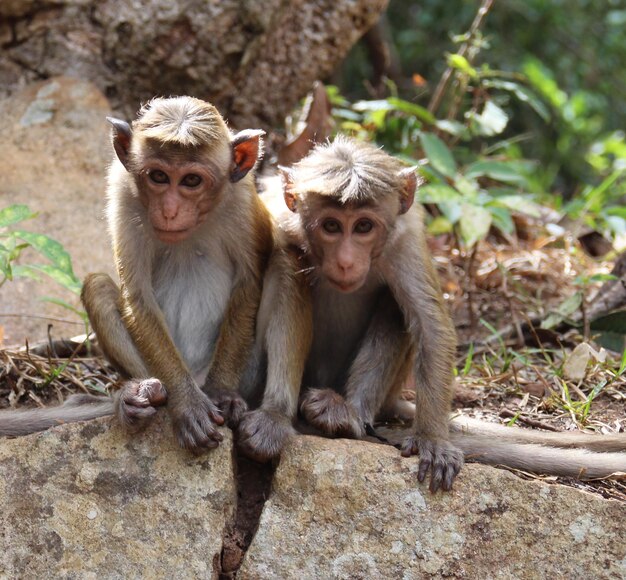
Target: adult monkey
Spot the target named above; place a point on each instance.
(377, 317)
(191, 241)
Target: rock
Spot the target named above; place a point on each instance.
(87, 501)
(54, 150)
(253, 60)
(350, 509)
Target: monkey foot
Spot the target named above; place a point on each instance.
(442, 458)
(230, 403)
(195, 420)
(331, 413)
(261, 434)
(136, 402)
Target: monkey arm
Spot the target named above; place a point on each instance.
(194, 415)
(374, 374)
(414, 284)
(381, 359)
(285, 323)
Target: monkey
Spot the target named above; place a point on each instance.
(356, 285)
(191, 240)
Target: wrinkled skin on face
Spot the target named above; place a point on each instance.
(344, 241)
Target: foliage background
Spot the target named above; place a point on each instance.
(570, 54)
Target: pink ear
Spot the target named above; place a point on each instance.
(288, 194)
(407, 194)
(247, 148)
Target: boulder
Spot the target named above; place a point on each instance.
(88, 501)
(351, 509)
(54, 150)
(253, 60)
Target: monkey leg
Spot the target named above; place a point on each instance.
(134, 404)
(285, 322)
(102, 299)
(329, 412)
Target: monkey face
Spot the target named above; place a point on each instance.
(178, 197)
(344, 241)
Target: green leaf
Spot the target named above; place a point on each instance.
(15, 214)
(26, 272)
(492, 121)
(523, 94)
(497, 170)
(378, 105)
(467, 187)
(452, 127)
(412, 109)
(474, 223)
(59, 276)
(462, 64)
(502, 219)
(570, 305)
(440, 225)
(436, 193)
(519, 203)
(377, 118)
(50, 249)
(438, 154)
(64, 304)
(452, 210)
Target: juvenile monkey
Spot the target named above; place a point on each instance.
(191, 241)
(355, 252)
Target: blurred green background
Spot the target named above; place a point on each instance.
(534, 109)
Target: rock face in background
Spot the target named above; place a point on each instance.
(252, 59)
(54, 150)
(86, 501)
(348, 509)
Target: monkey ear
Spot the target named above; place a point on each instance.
(288, 194)
(122, 135)
(409, 185)
(247, 149)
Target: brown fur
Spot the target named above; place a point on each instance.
(191, 241)
(378, 318)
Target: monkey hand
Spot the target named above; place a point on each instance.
(195, 419)
(261, 434)
(136, 401)
(442, 458)
(230, 403)
(329, 412)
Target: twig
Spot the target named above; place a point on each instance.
(526, 420)
(35, 316)
(435, 102)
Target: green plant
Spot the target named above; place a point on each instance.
(14, 241)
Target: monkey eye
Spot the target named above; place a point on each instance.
(191, 180)
(363, 227)
(158, 176)
(331, 226)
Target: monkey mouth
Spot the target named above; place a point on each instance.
(171, 236)
(345, 286)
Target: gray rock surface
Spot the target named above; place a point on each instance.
(254, 60)
(54, 150)
(349, 509)
(88, 501)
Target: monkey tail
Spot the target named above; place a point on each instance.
(564, 462)
(76, 408)
(598, 443)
